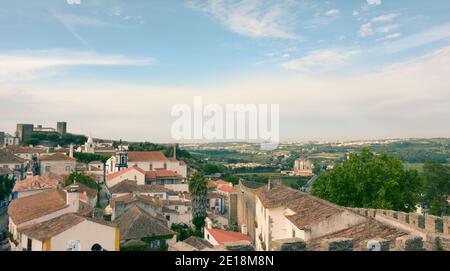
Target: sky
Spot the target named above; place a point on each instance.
(340, 70)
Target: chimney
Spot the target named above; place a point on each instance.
(272, 183)
(244, 229)
(208, 223)
(71, 151)
(73, 198)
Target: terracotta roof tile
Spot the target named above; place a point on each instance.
(136, 223)
(56, 157)
(276, 196)
(223, 237)
(226, 188)
(45, 181)
(47, 229)
(25, 209)
(310, 210)
(129, 186)
(7, 157)
(138, 156)
(123, 171)
(198, 243)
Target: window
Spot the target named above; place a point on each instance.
(17, 166)
(165, 165)
(47, 168)
(293, 233)
(150, 166)
(73, 245)
(96, 247)
(5, 166)
(29, 244)
(67, 168)
(207, 236)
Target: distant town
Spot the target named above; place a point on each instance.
(61, 191)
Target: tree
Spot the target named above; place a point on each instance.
(368, 180)
(198, 187)
(211, 168)
(83, 179)
(436, 178)
(6, 186)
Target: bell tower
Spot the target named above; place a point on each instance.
(121, 157)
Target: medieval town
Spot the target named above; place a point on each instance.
(99, 195)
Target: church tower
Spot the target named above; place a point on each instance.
(121, 157)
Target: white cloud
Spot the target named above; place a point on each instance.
(355, 13)
(435, 34)
(73, 2)
(366, 30)
(387, 28)
(252, 18)
(27, 65)
(374, 2)
(78, 20)
(386, 17)
(322, 60)
(332, 13)
(390, 36)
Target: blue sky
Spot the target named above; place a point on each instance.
(93, 54)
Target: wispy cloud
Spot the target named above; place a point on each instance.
(78, 20)
(252, 18)
(322, 60)
(386, 17)
(332, 12)
(435, 34)
(27, 65)
(390, 36)
(367, 29)
(395, 101)
(374, 2)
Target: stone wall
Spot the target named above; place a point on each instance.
(246, 208)
(434, 231)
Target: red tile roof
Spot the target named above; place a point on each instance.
(166, 173)
(223, 237)
(45, 181)
(146, 156)
(226, 188)
(123, 171)
(56, 157)
(25, 209)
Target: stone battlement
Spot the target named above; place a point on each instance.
(434, 230)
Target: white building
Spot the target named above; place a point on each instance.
(10, 140)
(9, 161)
(166, 178)
(132, 173)
(57, 163)
(71, 232)
(283, 213)
(148, 161)
(53, 220)
(37, 184)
